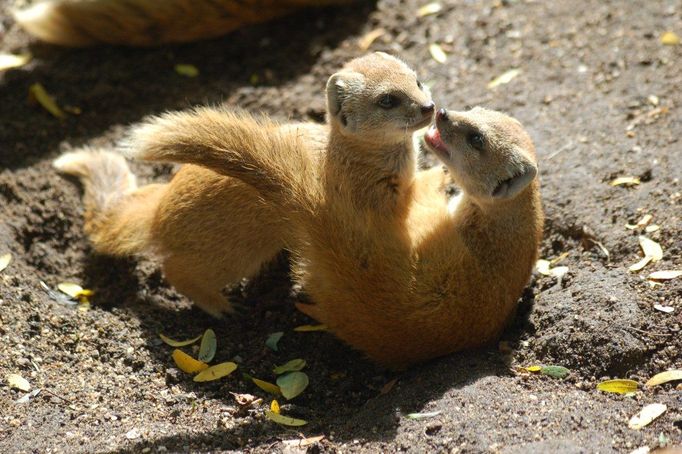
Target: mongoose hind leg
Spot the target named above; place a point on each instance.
(200, 282)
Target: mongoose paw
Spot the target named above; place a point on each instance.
(216, 308)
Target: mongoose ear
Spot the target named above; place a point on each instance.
(340, 87)
(510, 187)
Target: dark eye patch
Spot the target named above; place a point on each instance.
(389, 101)
(419, 85)
(476, 140)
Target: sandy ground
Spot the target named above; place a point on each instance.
(601, 97)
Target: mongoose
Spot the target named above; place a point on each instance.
(209, 230)
(390, 269)
(80, 23)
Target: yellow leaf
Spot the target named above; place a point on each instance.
(625, 181)
(556, 260)
(504, 78)
(267, 386)
(651, 248)
(646, 416)
(188, 364)
(9, 61)
(44, 99)
(18, 382)
(641, 264)
(284, 420)
(670, 39)
(646, 219)
(187, 70)
(366, 41)
(70, 288)
(309, 328)
(215, 372)
(534, 368)
(618, 386)
(208, 346)
(665, 275)
(274, 406)
(437, 53)
(5, 260)
(664, 377)
(174, 343)
(428, 9)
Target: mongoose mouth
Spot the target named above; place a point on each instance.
(434, 141)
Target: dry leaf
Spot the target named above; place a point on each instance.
(428, 9)
(215, 372)
(246, 399)
(625, 181)
(208, 346)
(504, 78)
(304, 442)
(174, 343)
(44, 99)
(292, 384)
(651, 248)
(666, 309)
(187, 70)
(423, 415)
(274, 407)
(310, 328)
(437, 53)
(542, 266)
(16, 381)
(284, 420)
(652, 228)
(639, 265)
(646, 416)
(664, 377)
(188, 364)
(267, 386)
(9, 61)
(559, 271)
(665, 275)
(366, 41)
(290, 366)
(670, 39)
(388, 386)
(618, 386)
(5, 260)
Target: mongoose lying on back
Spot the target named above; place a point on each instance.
(390, 269)
(148, 22)
(211, 230)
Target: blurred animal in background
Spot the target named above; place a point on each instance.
(80, 23)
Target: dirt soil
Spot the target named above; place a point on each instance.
(600, 95)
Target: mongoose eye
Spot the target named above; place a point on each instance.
(389, 102)
(419, 85)
(475, 140)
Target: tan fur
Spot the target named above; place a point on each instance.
(147, 22)
(388, 268)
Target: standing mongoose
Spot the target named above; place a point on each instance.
(79, 23)
(390, 269)
(210, 230)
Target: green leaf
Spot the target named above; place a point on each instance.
(186, 70)
(291, 366)
(208, 346)
(284, 420)
(273, 339)
(292, 384)
(555, 371)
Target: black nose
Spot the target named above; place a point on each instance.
(428, 108)
(442, 114)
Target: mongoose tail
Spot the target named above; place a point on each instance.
(276, 161)
(114, 228)
(80, 23)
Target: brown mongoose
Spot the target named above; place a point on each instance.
(80, 23)
(209, 230)
(400, 281)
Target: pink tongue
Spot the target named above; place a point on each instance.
(433, 138)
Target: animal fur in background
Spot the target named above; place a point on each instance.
(79, 23)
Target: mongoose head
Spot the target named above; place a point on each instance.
(378, 98)
(489, 153)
